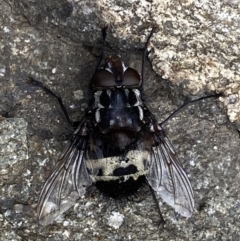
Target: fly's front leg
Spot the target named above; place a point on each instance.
(145, 53)
(33, 81)
(104, 27)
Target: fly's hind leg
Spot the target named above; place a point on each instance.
(161, 221)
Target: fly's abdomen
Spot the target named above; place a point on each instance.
(119, 175)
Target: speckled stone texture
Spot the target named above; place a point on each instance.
(195, 50)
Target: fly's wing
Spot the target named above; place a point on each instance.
(68, 181)
(167, 177)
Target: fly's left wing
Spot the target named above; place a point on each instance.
(68, 181)
(167, 177)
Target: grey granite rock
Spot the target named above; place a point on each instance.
(196, 49)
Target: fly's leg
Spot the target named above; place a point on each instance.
(33, 81)
(190, 103)
(104, 27)
(145, 53)
(161, 221)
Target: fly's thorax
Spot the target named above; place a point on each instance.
(118, 109)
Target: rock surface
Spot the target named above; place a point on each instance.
(196, 49)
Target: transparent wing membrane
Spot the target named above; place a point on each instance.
(168, 179)
(67, 183)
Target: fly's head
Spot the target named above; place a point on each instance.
(115, 75)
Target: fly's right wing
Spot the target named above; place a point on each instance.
(68, 181)
(167, 177)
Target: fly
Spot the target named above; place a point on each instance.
(117, 146)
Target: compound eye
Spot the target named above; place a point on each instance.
(103, 78)
(131, 77)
